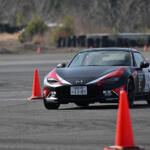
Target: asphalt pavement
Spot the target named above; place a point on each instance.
(27, 125)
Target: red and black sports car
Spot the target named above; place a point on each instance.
(98, 75)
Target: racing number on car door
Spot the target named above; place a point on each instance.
(140, 73)
(141, 81)
(147, 79)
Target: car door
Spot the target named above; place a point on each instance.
(143, 75)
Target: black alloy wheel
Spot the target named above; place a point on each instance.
(130, 92)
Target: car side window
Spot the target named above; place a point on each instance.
(138, 59)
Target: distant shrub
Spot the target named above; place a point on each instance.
(20, 39)
(35, 26)
(65, 27)
(140, 42)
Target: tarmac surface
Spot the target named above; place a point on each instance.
(27, 125)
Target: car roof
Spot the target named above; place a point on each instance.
(110, 49)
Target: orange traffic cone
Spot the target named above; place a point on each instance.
(36, 90)
(38, 50)
(124, 135)
(145, 48)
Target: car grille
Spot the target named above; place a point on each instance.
(92, 91)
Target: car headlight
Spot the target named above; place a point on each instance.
(52, 80)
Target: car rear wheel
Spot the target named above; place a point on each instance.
(130, 92)
(82, 104)
(51, 105)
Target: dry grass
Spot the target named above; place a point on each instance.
(7, 36)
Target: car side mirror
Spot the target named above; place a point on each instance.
(144, 64)
(62, 65)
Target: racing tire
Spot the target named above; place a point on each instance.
(148, 102)
(130, 92)
(50, 105)
(81, 104)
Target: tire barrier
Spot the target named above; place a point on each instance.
(10, 29)
(105, 40)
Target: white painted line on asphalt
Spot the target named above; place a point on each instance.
(13, 100)
(26, 99)
(3, 63)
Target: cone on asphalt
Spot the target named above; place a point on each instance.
(36, 90)
(38, 50)
(145, 48)
(124, 136)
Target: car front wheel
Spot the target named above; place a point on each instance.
(50, 105)
(130, 92)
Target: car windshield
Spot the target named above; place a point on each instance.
(102, 58)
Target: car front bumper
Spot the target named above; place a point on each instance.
(94, 94)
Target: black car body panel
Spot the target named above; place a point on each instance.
(82, 73)
(98, 83)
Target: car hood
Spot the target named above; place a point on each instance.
(86, 74)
